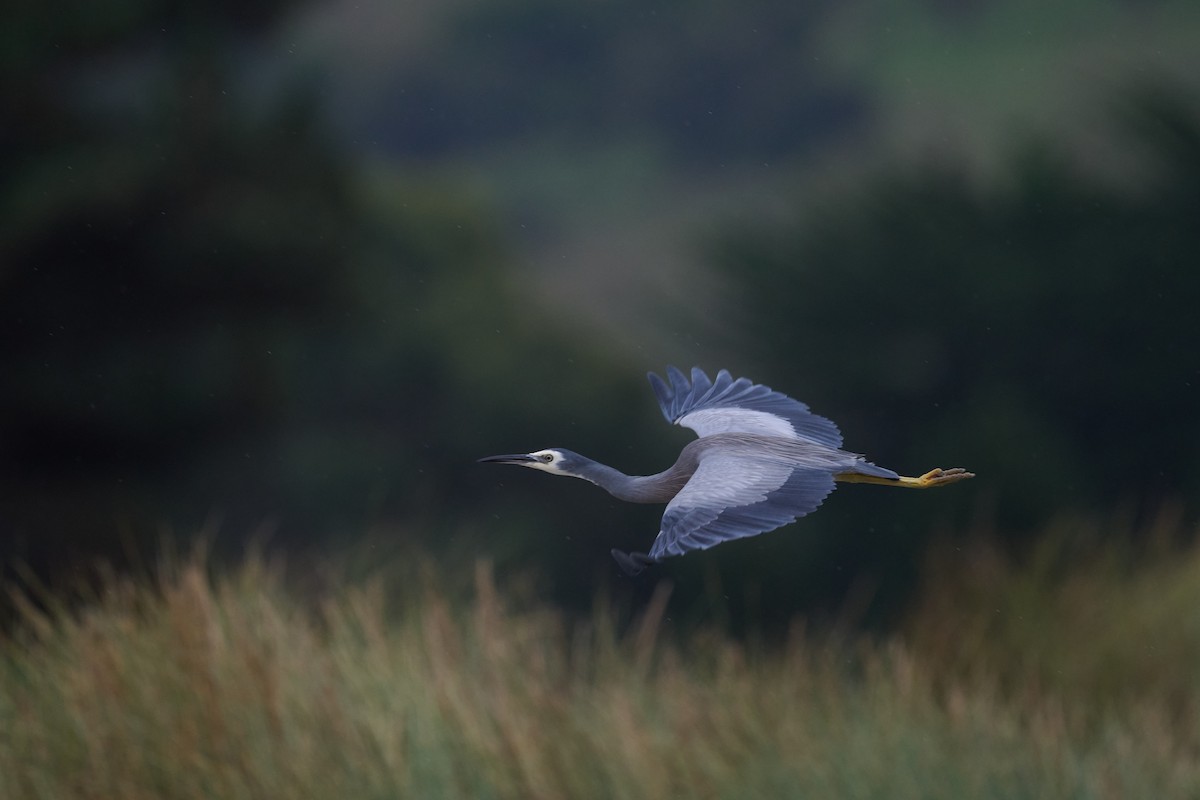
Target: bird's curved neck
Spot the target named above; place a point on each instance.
(659, 488)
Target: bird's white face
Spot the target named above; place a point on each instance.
(547, 461)
(552, 461)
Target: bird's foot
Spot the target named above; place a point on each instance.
(632, 563)
(942, 477)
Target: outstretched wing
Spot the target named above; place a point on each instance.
(733, 495)
(737, 406)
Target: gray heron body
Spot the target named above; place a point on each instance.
(763, 460)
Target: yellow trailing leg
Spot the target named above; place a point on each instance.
(935, 477)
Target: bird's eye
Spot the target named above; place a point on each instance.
(547, 457)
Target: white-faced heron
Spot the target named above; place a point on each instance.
(762, 460)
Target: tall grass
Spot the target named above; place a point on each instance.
(1005, 683)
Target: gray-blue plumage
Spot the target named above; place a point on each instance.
(735, 494)
(679, 400)
(762, 460)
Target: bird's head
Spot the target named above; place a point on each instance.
(556, 461)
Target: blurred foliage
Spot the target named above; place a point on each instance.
(213, 311)
(1098, 611)
(209, 314)
(733, 81)
(1041, 333)
(192, 682)
(158, 234)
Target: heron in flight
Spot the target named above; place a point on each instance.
(763, 460)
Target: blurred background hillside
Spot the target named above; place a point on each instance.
(284, 270)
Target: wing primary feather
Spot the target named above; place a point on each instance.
(663, 394)
(719, 386)
(679, 382)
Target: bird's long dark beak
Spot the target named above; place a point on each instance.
(515, 458)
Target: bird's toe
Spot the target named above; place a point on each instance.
(632, 563)
(941, 477)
